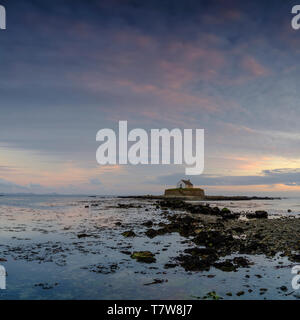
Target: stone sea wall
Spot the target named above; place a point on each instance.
(194, 193)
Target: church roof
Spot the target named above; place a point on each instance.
(187, 182)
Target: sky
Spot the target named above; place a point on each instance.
(69, 68)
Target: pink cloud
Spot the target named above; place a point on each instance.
(178, 100)
(254, 67)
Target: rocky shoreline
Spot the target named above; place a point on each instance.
(218, 233)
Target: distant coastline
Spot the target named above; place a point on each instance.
(206, 198)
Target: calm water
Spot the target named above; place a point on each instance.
(47, 260)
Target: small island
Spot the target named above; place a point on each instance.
(185, 189)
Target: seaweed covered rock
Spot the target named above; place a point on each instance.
(143, 256)
(225, 211)
(194, 263)
(185, 226)
(226, 266)
(242, 262)
(128, 234)
(173, 204)
(198, 209)
(214, 239)
(227, 214)
(151, 233)
(232, 265)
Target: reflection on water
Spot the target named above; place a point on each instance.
(51, 247)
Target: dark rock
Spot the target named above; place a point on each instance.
(212, 295)
(126, 252)
(83, 235)
(170, 265)
(241, 262)
(253, 247)
(238, 230)
(213, 239)
(295, 258)
(284, 288)
(225, 211)
(148, 223)
(151, 233)
(194, 263)
(258, 215)
(226, 266)
(155, 281)
(46, 286)
(261, 214)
